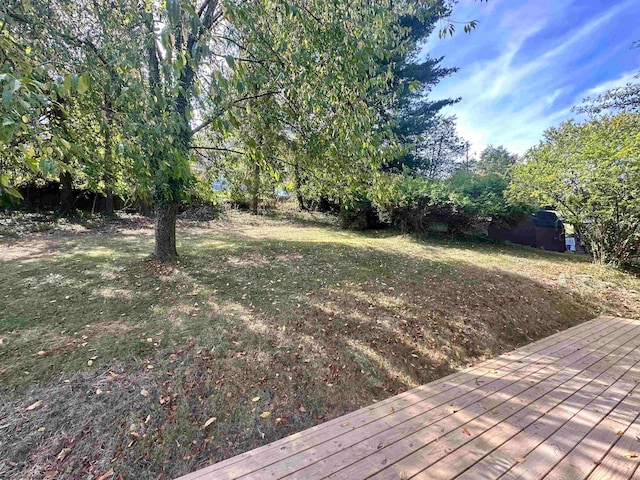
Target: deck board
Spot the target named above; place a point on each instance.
(564, 407)
(471, 454)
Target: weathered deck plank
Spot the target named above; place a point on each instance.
(565, 407)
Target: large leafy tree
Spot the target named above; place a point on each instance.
(436, 151)
(23, 82)
(496, 160)
(335, 102)
(73, 126)
(591, 173)
(164, 76)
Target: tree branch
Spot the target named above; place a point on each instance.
(208, 122)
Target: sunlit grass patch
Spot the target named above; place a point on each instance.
(311, 320)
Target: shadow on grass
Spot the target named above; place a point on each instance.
(313, 329)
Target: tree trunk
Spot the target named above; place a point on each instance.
(165, 248)
(108, 153)
(108, 203)
(256, 189)
(144, 207)
(297, 185)
(66, 194)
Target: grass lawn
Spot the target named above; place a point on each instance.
(266, 326)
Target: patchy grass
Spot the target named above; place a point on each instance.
(292, 316)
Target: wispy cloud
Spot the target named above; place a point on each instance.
(627, 77)
(530, 61)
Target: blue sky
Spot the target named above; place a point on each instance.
(529, 61)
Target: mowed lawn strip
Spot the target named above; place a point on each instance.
(311, 320)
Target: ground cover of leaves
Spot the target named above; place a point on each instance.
(114, 366)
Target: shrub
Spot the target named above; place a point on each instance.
(359, 215)
(459, 203)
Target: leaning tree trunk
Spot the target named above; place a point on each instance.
(297, 186)
(165, 248)
(66, 195)
(144, 207)
(108, 204)
(108, 156)
(255, 198)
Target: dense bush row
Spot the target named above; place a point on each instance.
(456, 206)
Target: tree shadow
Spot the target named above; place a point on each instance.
(315, 328)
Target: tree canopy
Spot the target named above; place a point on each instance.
(590, 172)
(124, 96)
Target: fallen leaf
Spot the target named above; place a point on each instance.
(113, 374)
(90, 362)
(98, 391)
(344, 424)
(265, 414)
(619, 433)
(466, 432)
(51, 474)
(303, 410)
(35, 405)
(63, 454)
(150, 340)
(106, 474)
(209, 422)
(150, 367)
(144, 393)
(631, 455)
(41, 353)
(255, 399)
(520, 459)
(403, 475)
(1, 341)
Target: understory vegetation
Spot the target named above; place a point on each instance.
(267, 325)
(225, 221)
(329, 103)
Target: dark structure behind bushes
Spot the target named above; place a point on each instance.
(540, 230)
(48, 197)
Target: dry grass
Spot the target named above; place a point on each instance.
(131, 358)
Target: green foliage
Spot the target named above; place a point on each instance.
(459, 202)
(130, 93)
(435, 152)
(360, 214)
(496, 160)
(591, 173)
(23, 93)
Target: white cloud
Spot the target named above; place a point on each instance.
(510, 101)
(622, 80)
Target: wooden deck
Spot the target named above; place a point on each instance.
(566, 407)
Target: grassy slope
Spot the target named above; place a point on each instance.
(295, 318)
